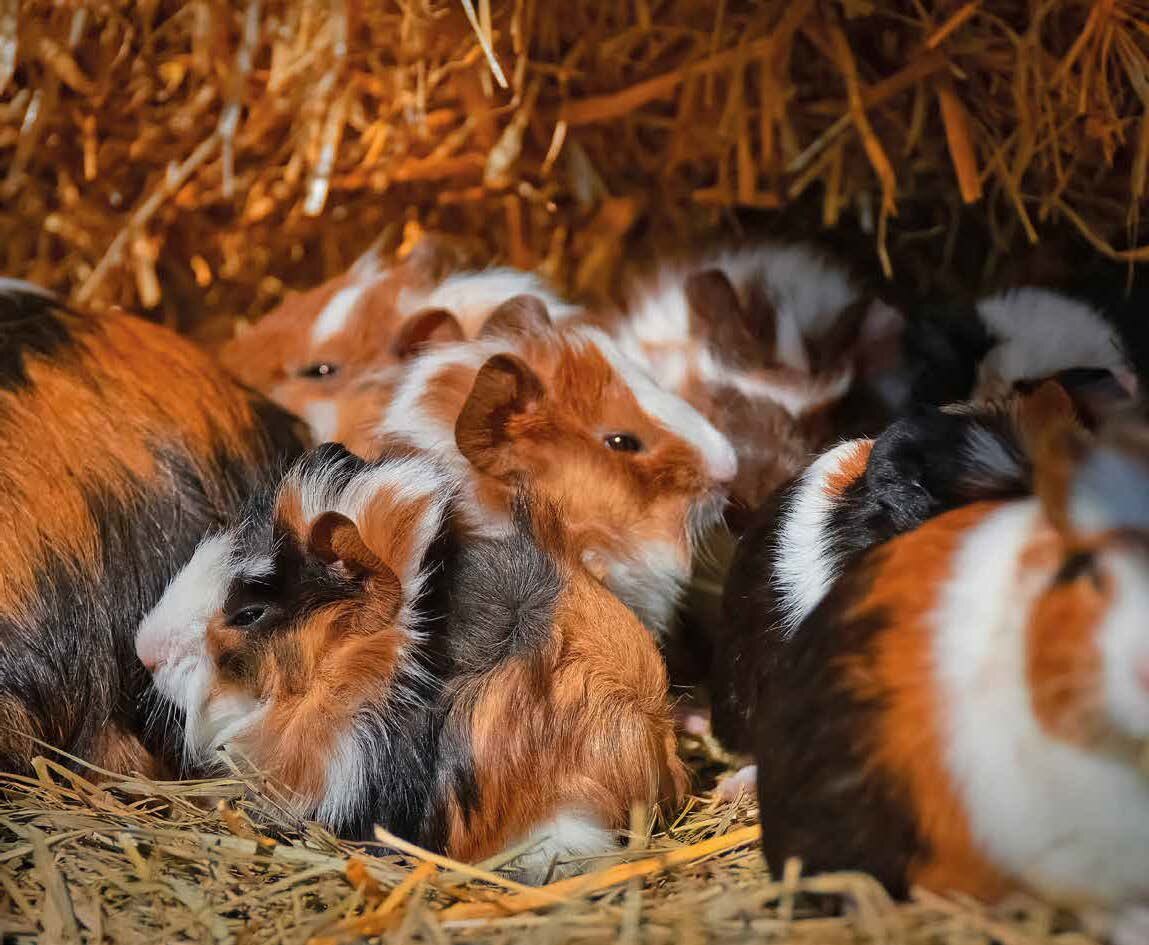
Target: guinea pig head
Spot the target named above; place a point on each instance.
(637, 471)
(286, 639)
(1088, 637)
(306, 351)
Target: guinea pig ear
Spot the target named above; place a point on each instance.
(429, 326)
(505, 388)
(519, 315)
(717, 313)
(335, 540)
(432, 258)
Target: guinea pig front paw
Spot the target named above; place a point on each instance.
(742, 782)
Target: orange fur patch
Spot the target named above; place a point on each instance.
(850, 469)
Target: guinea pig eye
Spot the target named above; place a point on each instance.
(1078, 565)
(622, 443)
(246, 616)
(320, 371)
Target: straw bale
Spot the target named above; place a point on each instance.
(196, 159)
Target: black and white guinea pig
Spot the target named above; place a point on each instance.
(123, 445)
(468, 694)
(954, 353)
(967, 709)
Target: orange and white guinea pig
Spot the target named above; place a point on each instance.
(765, 341)
(967, 708)
(315, 343)
(468, 697)
(637, 471)
(123, 445)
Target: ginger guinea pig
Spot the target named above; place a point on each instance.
(636, 470)
(766, 342)
(304, 353)
(123, 445)
(968, 707)
(468, 698)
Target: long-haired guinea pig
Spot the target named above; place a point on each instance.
(470, 698)
(766, 342)
(853, 497)
(636, 470)
(122, 446)
(953, 352)
(315, 343)
(968, 707)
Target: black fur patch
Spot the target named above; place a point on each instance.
(821, 796)
(30, 324)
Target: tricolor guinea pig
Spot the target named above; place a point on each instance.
(123, 444)
(765, 342)
(470, 697)
(967, 708)
(637, 471)
(306, 351)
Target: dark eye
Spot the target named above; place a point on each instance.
(622, 443)
(247, 616)
(1077, 565)
(323, 369)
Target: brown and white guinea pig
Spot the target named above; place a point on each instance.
(765, 341)
(469, 698)
(1018, 336)
(306, 351)
(968, 707)
(637, 471)
(123, 445)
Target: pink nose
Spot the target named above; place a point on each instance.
(150, 656)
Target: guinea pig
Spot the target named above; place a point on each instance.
(967, 709)
(852, 498)
(123, 445)
(1019, 336)
(306, 351)
(637, 471)
(766, 342)
(469, 696)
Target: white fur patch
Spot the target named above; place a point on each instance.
(1068, 823)
(471, 296)
(1040, 333)
(1109, 491)
(805, 565)
(322, 418)
(10, 286)
(570, 836)
(345, 783)
(1123, 639)
(335, 315)
(650, 585)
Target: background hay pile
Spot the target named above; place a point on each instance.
(198, 157)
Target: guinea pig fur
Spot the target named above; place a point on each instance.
(123, 445)
(853, 497)
(637, 471)
(765, 341)
(306, 351)
(469, 698)
(1016, 337)
(966, 708)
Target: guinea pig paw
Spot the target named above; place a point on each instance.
(742, 782)
(692, 721)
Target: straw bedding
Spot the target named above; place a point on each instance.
(197, 160)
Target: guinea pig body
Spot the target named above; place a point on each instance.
(765, 341)
(636, 470)
(469, 696)
(123, 445)
(309, 349)
(966, 709)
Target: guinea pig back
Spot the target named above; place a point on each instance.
(123, 445)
